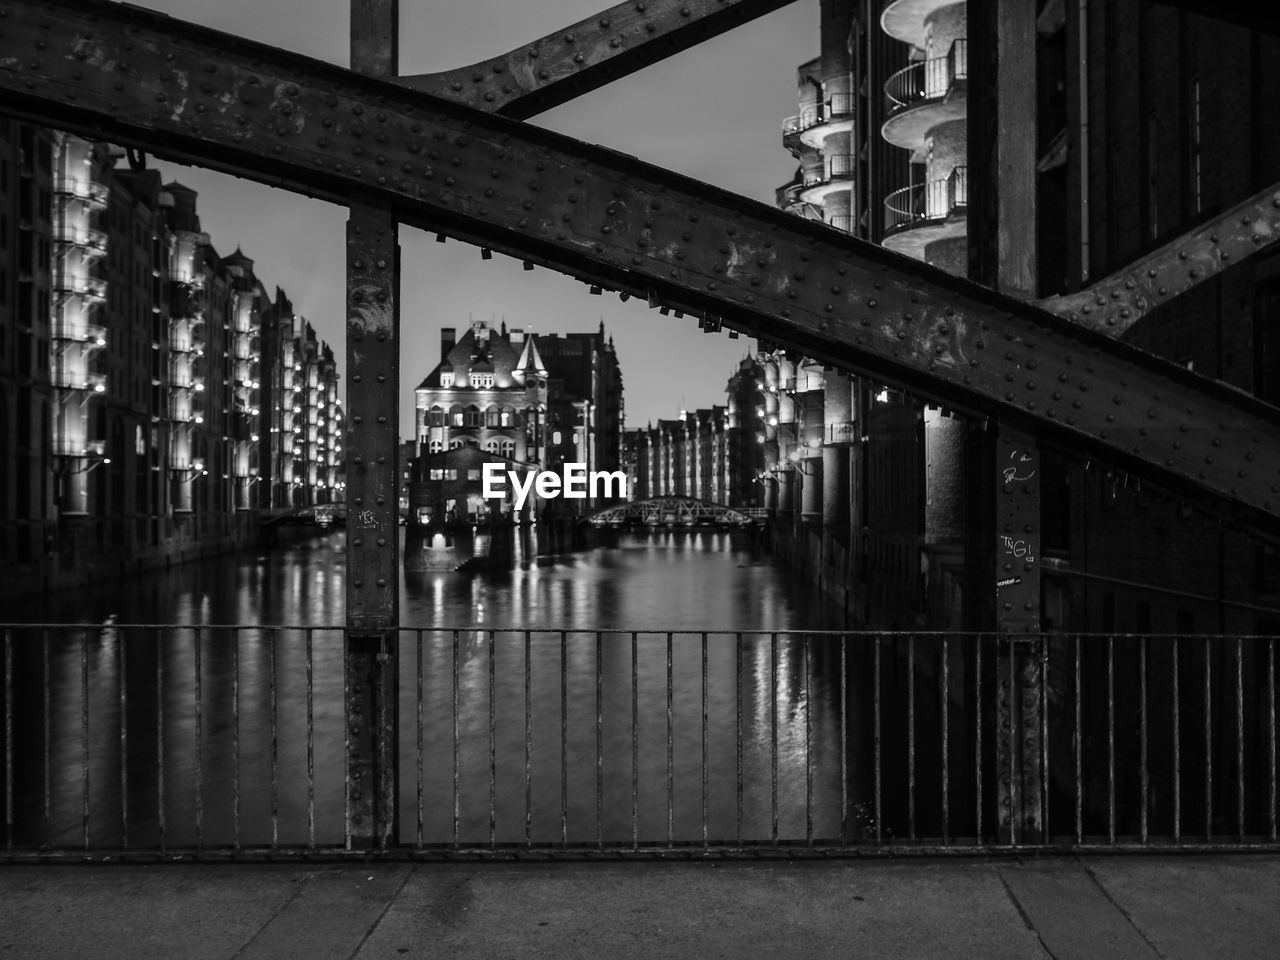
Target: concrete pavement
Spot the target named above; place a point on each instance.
(1107, 908)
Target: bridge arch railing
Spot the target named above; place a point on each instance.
(671, 511)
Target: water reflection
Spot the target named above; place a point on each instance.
(557, 732)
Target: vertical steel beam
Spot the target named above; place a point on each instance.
(1019, 696)
(373, 554)
(1003, 255)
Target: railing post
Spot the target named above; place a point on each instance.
(373, 554)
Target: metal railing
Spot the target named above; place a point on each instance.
(836, 106)
(842, 221)
(928, 79)
(91, 288)
(927, 202)
(94, 334)
(69, 378)
(842, 433)
(837, 166)
(88, 190)
(238, 741)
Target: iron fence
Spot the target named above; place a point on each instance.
(245, 742)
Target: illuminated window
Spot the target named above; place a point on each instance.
(555, 437)
(437, 473)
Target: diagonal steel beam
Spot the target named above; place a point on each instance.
(224, 102)
(589, 54)
(1116, 303)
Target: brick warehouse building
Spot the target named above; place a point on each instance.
(1147, 121)
(538, 400)
(144, 408)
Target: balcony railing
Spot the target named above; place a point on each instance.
(788, 195)
(63, 447)
(841, 433)
(809, 116)
(839, 105)
(927, 202)
(836, 166)
(841, 221)
(67, 379)
(928, 79)
(86, 190)
(93, 334)
(91, 288)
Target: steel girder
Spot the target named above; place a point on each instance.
(220, 101)
(1114, 304)
(592, 52)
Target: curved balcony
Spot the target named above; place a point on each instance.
(94, 194)
(86, 239)
(793, 126)
(836, 174)
(835, 115)
(68, 379)
(925, 94)
(920, 214)
(905, 19)
(89, 289)
(90, 334)
(815, 122)
(788, 195)
(63, 447)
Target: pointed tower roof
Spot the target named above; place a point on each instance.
(530, 359)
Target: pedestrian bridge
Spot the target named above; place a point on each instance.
(321, 515)
(674, 512)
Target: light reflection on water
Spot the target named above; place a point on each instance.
(664, 581)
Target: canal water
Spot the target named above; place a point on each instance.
(660, 687)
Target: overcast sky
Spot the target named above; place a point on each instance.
(712, 112)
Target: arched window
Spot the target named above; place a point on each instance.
(556, 438)
(436, 446)
(473, 416)
(491, 417)
(457, 444)
(435, 416)
(507, 418)
(508, 449)
(491, 446)
(455, 416)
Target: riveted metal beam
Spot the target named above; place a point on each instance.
(588, 54)
(1116, 303)
(201, 96)
(372, 441)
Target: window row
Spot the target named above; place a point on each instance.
(472, 416)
